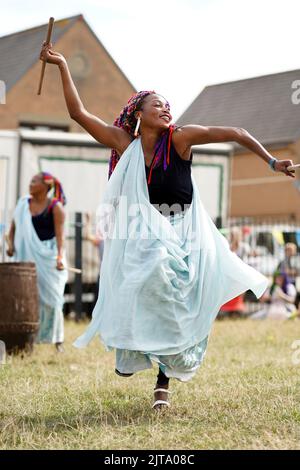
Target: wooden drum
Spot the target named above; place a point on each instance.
(19, 306)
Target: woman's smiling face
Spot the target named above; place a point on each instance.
(155, 112)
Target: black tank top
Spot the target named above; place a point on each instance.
(172, 187)
(44, 224)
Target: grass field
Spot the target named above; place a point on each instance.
(246, 395)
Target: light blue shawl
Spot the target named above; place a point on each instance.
(28, 247)
(163, 280)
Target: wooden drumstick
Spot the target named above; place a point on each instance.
(48, 38)
(293, 167)
(73, 270)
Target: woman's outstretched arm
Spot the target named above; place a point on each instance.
(104, 133)
(196, 135)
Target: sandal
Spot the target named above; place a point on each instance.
(160, 404)
(121, 374)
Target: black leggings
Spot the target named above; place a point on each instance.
(162, 379)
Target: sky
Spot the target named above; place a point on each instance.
(177, 47)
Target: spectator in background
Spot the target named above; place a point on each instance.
(235, 308)
(237, 241)
(296, 312)
(281, 297)
(289, 263)
(98, 242)
(297, 304)
(95, 238)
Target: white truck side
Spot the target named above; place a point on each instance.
(81, 164)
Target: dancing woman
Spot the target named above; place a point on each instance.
(165, 273)
(37, 234)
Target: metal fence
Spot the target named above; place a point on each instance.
(261, 245)
(261, 241)
(82, 253)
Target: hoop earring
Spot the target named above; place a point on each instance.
(136, 130)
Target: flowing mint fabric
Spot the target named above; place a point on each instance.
(163, 279)
(51, 282)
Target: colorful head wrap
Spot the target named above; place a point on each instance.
(127, 121)
(55, 185)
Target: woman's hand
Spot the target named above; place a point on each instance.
(50, 56)
(59, 263)
(282, 165)
(10, 252)
(10, 246)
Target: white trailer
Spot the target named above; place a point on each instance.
(81, 164)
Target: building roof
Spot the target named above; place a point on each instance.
(261, 105)
(20, 51)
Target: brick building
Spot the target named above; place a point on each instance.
(264, 107)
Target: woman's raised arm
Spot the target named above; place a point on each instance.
(104, 133)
